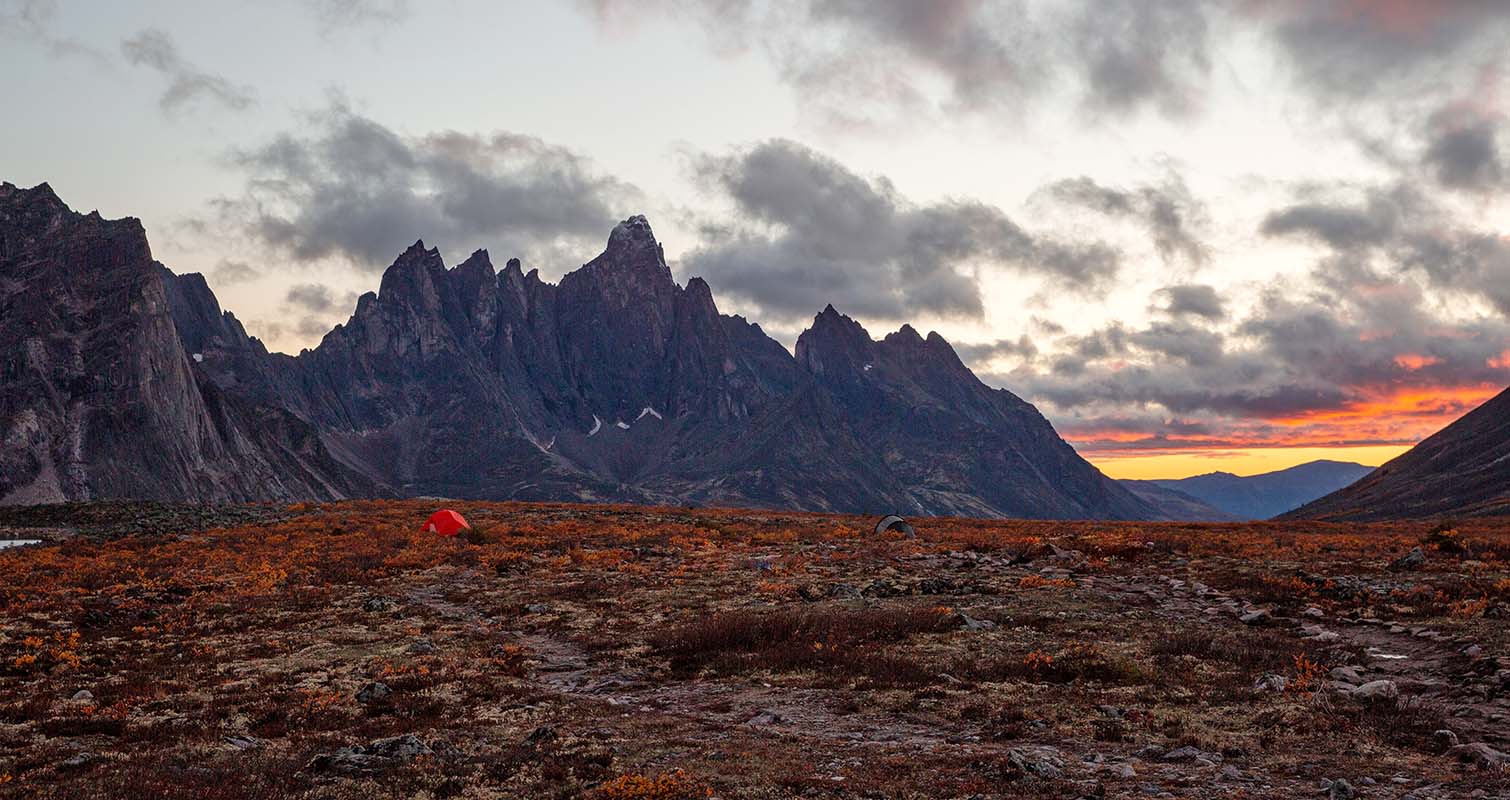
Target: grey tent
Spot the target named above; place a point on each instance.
(892, 522)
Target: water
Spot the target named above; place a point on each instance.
(4, 543)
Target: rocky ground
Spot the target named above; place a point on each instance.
(620, 652)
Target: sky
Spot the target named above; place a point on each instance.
(1234, 235)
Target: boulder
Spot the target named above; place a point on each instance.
(1374, 691)
(1415, 559)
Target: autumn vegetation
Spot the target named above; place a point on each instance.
(625, 652)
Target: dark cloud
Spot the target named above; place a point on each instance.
(1137, 54)
(313, 297)
(229, 273)
(154, 49)
(810, 231)
(984, 352)
(859, 62)
(351, 188)
(1350, 49)
(1400, 230)
(1192, 300)
(1463, 152)
(1344, 224)
(1168, 211)
(1356, 340)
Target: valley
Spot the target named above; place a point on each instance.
(560, 650)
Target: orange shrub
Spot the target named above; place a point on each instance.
(1040, 582)
(674, 785)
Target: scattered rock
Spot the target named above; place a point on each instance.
(377, 756)
(970, 623)
(1150, 752)
(1415, 559)
(1255, 617)
(766, 718)
(1341, 790)
(843, 591)
(1480, 755)
(1186, 753)
(537, 608)
(379, 605)
(1377, 690)
(1314, 613)
(542, 735)
(76, 761)
(244, 742)
(421, 647)
(374, 694)
(82, 696)
(1346, 675)
(1270, 683)
(1444, 740)
(1042, 762)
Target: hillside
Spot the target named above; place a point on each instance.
(1264, 495)
(1461, 470)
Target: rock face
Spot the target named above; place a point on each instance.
(1461, 470)
(616, 384)
(100, 398)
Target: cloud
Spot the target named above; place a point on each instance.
(1361, 357)
(1344, 224)
(1193, 300)
(1168, 211)
(807, 231)
(1348, 50)
(1137, 54)
(353, 189)
(865, 63)
(32, 22)
(1463, 152)
(230, 273)
(1401, 230)
(154, 49)
(340, 15)
(313, 297)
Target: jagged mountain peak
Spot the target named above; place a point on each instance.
(478, 263)
(632, 249)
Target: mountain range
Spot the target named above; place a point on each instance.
(124, 379)
(1223, 496)
(1461, 470)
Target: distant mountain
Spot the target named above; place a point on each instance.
(1176, 505)
(614, 384)
(1461, 470)
(98, 396)
(1254, 496)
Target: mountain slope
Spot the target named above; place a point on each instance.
(99, 397)
(1268, 494)
(616, 383)
(1174, 504)
(1463, 469)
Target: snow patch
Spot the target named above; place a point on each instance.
(597, 424)
(868, 366)
(198, 357)
(648, 410)
(622, 424)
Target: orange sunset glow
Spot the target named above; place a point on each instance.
(1371, 431)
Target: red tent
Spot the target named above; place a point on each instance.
(446, 522)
